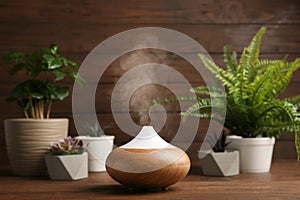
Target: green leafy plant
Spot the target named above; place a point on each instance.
(45, 69)
(219, 144)
(95, 130)
(252, 87)
(67, 146)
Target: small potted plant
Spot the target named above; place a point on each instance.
(67, 160)
(255, 114)
(98, 145)
(220, 162)
(27, 138)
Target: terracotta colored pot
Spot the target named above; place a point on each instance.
(27, 141)
(148, 162)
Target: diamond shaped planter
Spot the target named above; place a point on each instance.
(67, 167)
(220, 164)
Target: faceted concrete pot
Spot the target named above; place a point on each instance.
(255, 153)
(67, 167)
(27, 141)
(220, 164)
(98, 149)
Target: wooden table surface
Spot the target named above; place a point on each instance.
(283, 182)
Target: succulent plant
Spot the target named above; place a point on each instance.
(221, 143)
(218, 142)
(67, 146)
(95, 130)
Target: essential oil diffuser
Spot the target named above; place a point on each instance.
(148, 162)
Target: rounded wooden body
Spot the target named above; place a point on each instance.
(27, 141)
(148, 168)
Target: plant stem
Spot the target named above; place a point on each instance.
(49, 109)
(32, 108)
(36, 108)
(41, 109)
(23, 108)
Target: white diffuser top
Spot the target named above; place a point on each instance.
(147, 139)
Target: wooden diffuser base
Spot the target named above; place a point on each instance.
(148, 168)
(148, 162)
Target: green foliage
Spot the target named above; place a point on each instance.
(252, 86)
(95, 129)
(220, 144)
(45, 69)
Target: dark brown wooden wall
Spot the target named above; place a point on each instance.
(77, 26)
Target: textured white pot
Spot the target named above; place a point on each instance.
(220, 163)
(67, 167)
(98, 149)
(27, 141)
(255, 153)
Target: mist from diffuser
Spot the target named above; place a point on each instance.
(100, 58)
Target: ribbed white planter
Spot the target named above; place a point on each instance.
(255, 153)
(27, 141)
(98, 149)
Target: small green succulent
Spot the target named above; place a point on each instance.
(67, 146)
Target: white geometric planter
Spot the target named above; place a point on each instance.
(255, 153)
(67, 167)
(220, 163)
(98, 149)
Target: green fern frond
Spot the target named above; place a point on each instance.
(175, 99)
(204, 104)
(227, 78)
(248, 62)
(230, 60)
(249, 58)
(278, 117)
(294, 100)
(297, 142)
(198, 115)
(211, 91)
(274, 80)
(273, 129)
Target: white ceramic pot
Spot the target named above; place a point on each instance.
(98, 149)
(255, 153)
(27, 141)
(67, 167)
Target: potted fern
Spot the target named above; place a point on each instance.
(255, 114)
(27, 138)
(98, 145)
(67, 160)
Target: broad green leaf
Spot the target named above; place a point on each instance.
(36, 95)
(59, 75)
(54, 49)
(59, 93)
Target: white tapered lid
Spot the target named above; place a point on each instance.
(147, 139)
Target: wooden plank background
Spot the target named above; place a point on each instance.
(78, 26)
